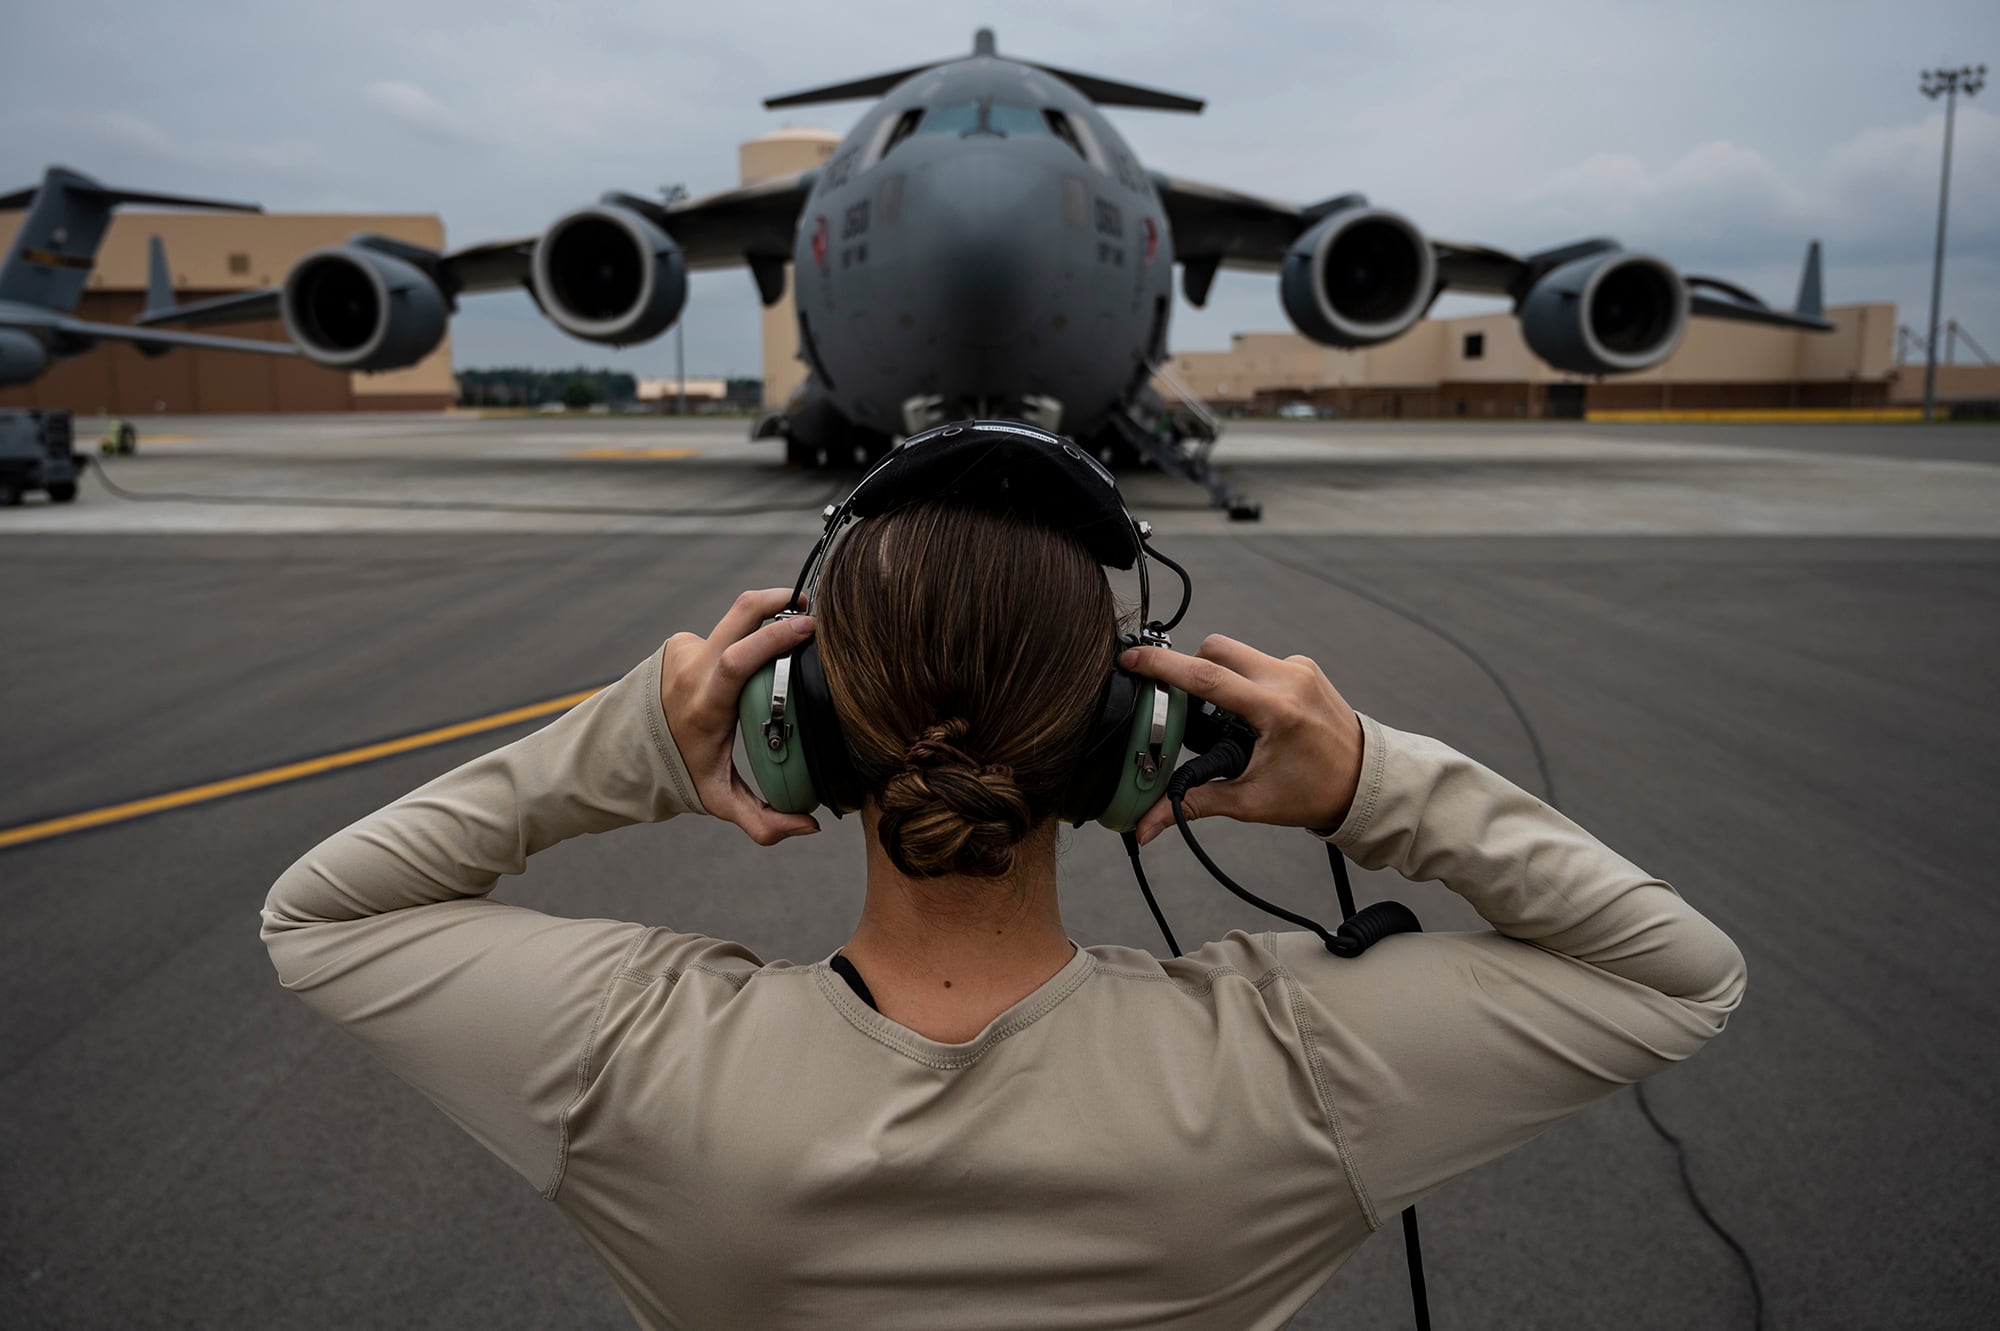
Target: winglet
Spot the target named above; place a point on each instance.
(159, 282)
(1811, 303)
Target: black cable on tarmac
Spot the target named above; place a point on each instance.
(792, 505)
(1548, 783)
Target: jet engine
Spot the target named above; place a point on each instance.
(353, 308)
(1607, 314)
(607, 274)
(1359, 276)
(22, 357)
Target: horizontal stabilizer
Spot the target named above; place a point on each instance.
(1103, 91)
(853, 89)
(82, 187)
(1110, 92)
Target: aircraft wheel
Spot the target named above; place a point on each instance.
(798, 453)
(10, 493)
(62, 492)
(128, 440)
(1246, 510)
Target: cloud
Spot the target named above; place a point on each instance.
(1872, 197)
(411, 106)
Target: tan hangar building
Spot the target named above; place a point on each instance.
(1479, 365)
(216, 254)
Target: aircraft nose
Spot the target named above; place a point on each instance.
(987, 226)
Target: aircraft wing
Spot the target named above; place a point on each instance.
(1211, 224)
(155, 338)
(752, 225)
(238, 307)
(1484, 270)
(1216, 227)
(736, 226)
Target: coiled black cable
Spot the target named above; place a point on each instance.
(1548, 783)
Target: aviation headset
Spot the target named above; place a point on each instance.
(798, 756)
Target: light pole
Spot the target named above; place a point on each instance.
(1948, 83)
(674, 195)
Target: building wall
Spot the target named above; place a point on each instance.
(1427, 371)
(669, 390)
(1955, 383)
(780, 153)
(214, 254)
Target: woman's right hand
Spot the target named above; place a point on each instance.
(1307, 762)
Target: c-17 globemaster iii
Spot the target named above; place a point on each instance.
(983, 242)
(42, 277)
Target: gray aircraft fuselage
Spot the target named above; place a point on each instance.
(984, 237)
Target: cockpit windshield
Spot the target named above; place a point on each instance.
(1000, 119)
(985, 117)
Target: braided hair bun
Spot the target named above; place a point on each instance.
(947, 813)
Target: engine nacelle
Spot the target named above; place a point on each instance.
(607, 274)
(22, 356)
(1358, 277)
(352, 308)
(1608, 314)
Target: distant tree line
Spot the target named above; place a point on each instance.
(522, 387)
(581, 388)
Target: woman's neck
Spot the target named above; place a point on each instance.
(945, 956)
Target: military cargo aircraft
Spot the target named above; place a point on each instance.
(42, 276)
(983, 242)
(43, 273)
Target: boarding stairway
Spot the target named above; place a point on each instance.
(1180, 440)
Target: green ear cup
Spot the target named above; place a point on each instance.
(1138, 792)
(779, 772)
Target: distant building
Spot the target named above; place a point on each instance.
(780, 153)
(656, 392)
(1958, 385)
(1479, 365)
(214, 254)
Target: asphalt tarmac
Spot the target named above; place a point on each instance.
(1761, 670)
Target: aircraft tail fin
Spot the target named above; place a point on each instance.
(1811, 303)
(56, 246)
(1103, 91)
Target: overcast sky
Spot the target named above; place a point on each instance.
(1720, 133)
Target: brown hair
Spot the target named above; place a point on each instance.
(965, 652)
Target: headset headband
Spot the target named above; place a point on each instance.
(1011, 467)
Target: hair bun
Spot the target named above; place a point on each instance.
(946, 812)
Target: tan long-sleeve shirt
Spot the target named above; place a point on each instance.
(1192, 1143)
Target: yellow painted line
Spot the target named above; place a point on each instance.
(1793, 415)
(273, 776)
(635, 453)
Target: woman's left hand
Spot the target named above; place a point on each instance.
(700, 681)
